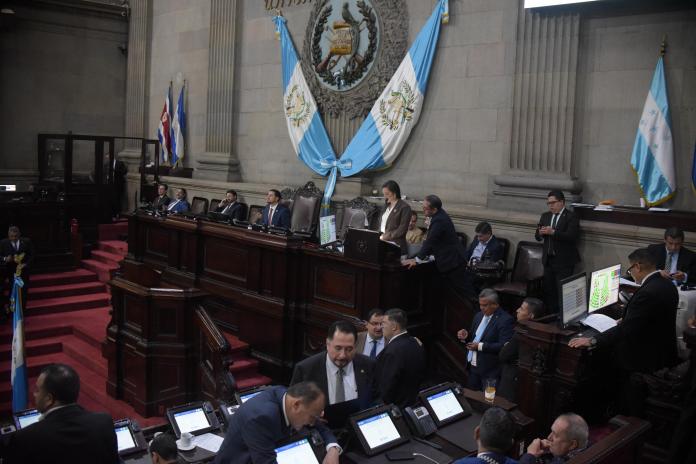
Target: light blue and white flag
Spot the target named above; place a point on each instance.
(653, 151)
(307, 131)
(178, 129)
(385, 130)
(19, 367)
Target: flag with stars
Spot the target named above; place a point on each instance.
(653, 151)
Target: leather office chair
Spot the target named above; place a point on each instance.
(525, 277)
(358, 213)
(213, 205)
(255, 214)
(305, 211)
(199, 205)
(288, 199)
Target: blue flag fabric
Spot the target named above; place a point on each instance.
(19, 367)
(179, 129)
(653, 152)
(385, 130)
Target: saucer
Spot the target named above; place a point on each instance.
(180, 447)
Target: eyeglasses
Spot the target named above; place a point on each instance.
(628, 271)
(552, 202)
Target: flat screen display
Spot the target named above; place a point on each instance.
(124, 438)
(573, 298)
(327, 229)
(542, 3)
(378, 430)
(248, 396)
(445, 405)
(299, 452)
(604, 287)
(29, 418)
(191, 420)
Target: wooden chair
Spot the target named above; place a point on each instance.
(358, 213)
(525, 276)
(199, 205)
(305, 211)
(622, 445)
(213, 205)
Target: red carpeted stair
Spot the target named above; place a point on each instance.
(244, 369)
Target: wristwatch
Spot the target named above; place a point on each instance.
(593, 342)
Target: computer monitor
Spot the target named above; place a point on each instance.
(25, 418)
(444, 404)
(327, 229)
(244, 396)
(604, 287)
(299, 451)
(376, 429)
(196, 418)
(124, 438)
(129, 437)
(573, 299)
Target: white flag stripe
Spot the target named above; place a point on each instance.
(658, 136)
(297, 131)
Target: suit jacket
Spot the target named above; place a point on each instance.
(493, 252)
(25, 246)
(69, 434)
(181, 207)
(120, 171)
(561, 244)
(685, 263)
(397, 225)
(360, 343)
(161, 203)
(646, 340)
(401, 370)
(498, 332)
(255, 429)
(442, 242)
(499, 458)
(314, 369)
(281, 217)
(509, 357)
(235, 212)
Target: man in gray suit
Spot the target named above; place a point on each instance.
(371, 342)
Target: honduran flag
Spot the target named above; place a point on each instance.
(164, 129)
(178, 129)
(18, 376)
(653, 151)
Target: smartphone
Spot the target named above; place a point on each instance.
(399, 456)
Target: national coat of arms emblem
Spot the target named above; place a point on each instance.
(398, 107)
(297, 107)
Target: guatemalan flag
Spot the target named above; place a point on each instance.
(19, 366)
(178, 129)
(386, 129)
(653, 151)
(307, 132)
(164, 129)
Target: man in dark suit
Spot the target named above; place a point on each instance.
(162, 200)
(675, 261)
(559, 228)
(494, 436)
(274, 214)
(271, 416)
(569, 436)
(120, 171)
(345, 377)
(491, 328)
(231, 207)
(11, 249)
(180, 204)
(645, 340)
(485, 247)
(401, 365)
(443, 243)
(66, 432)
(530, 309)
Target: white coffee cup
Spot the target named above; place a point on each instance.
(185, 443)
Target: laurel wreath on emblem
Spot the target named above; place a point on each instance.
(296, 106)
(350, 76)
(398, 107)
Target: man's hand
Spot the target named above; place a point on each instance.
(691, 322)
(409, 263)
(679, 276)
(9, 258)
(546, 230)
(462, 334)
(473, 346)
(538, 447)
(581, 342)
(331, 456)
(665, 274)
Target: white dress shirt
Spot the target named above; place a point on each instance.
(287, 423)
(480, 248)
(350, 386)
(368, 345)
(385, 217)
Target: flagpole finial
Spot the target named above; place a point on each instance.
(663, 45)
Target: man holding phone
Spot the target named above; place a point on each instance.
(675, 261)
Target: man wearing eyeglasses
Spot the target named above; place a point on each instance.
(675, 261)
(559, 229)
(645, 339)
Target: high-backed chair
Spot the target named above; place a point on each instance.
(255, 214)
(288, 199)
(358, 213)
(305, 210)
(525, 276)
(622, 442)
(199, 205)
(213, 205)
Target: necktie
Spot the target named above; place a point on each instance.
(340, 396)
(668, 262)
(554, 221)
(171, 207)
(479, 333)
(270, 216)
(226, 208)
(16, 245)
(373, 351)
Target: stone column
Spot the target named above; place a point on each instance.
(139, 32)
(218, 162)
(541, 152)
